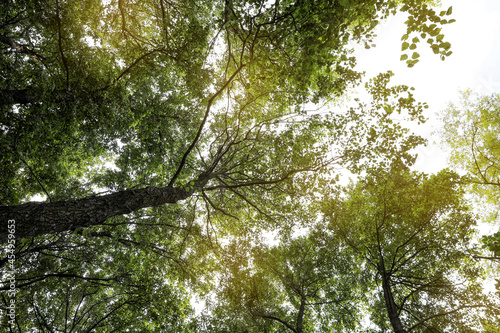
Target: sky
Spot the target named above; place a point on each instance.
(474, 64)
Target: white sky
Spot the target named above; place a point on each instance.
(475, 42)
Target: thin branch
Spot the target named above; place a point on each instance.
(63, 58)
(18, 48)
(38, 180)
(106, 316)
(422, 321)
(129, 68)
(200, 129)
(217, 208)
(35, 279)
(486, 258)
(251, 204)
(276, 319)
(262, 182)
(327, 302)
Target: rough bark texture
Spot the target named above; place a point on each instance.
(21, 96)
(39, 218)
(390, 305)
(33, 95)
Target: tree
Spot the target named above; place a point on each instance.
(471, 132)
(396, 246)
(88, 82)
(297, 286)
(413, 232)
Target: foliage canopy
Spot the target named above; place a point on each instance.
(168, 137)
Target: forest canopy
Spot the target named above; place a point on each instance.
(149, 149)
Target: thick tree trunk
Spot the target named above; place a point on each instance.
(36, 218)
(27, 96)
(390, 305)
(21, 96)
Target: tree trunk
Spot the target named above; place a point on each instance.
(300, 317)
(21, 96)
(40, 218)
(33, 95)
(390, 305)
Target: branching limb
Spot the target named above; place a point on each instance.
(33, 174)
(202, 125)
(18, 48)
(287, 325)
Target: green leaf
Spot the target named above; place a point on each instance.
(404, 46)
(411, 63)
(449, 11)
(413, 46)
(435, 32)
(446, 46)
(404, 57)
(415, 55)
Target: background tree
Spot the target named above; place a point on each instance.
(305, 284)
(471, 132)
(414, 233)
(130, 275)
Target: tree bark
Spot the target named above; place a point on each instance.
(300, 317)
(30, 95)
(390, 305)
(20, 96)
(40, 218)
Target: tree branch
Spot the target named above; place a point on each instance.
(38, 180)
(200, 129)
(63, 58)
(290, 327)
(18, 48)
(422, 321)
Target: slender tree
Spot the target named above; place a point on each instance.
(414, 233)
